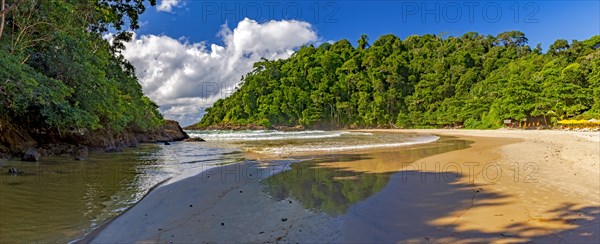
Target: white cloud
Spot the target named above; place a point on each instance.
(167, 5)
(184, 78)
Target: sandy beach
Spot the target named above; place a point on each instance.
(501, 186)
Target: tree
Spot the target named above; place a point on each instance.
(512, 38)
(363, 42)
(58, 73)
(558, 46)
(422, 81)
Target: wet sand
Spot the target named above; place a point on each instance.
(510, 186)
(507, 186)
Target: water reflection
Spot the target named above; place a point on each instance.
(59, 199)
(332, 183)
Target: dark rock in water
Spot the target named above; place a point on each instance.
(194, 139)
(167, 143)
(284, 219)
(31, 155)
(222, 224)
(14, 171)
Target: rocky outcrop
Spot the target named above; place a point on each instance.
(170, 131)
(14, 138)
(31, 144)
(195, 139)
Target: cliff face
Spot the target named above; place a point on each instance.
(16, 140)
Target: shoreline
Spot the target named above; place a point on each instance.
(223, 189)
(548, 190)
(528, 211)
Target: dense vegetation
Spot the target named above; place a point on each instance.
(58, 73)
(422, 81)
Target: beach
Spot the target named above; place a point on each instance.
(470, 186)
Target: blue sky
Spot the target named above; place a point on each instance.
(542, 21)
(190, 53)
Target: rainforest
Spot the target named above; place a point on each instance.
(63, 78)
(427, 81)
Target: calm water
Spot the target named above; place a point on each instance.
(59, 199)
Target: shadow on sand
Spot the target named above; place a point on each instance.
(412, 206)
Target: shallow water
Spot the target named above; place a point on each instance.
(331, 183)
(59, 199)
(308, 142)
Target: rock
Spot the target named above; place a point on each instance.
(194, 139)
(31, 155)
(170, 131)
(79, 158)
(167, 143)
(14, 171)
(14, 139)
(284, 219)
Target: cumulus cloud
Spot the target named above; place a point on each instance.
(167, 5)
(185, 78)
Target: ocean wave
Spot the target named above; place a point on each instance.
(334, 148)
(265, 135)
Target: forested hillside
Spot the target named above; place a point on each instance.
(59, 76)
(421, 81)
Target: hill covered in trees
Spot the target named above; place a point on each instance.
(61, 80)
(422, 81)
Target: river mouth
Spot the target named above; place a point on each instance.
(59, 199)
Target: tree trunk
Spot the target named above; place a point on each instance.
(2, 18)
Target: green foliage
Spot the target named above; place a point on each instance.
(58, 72)
(422, 81)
